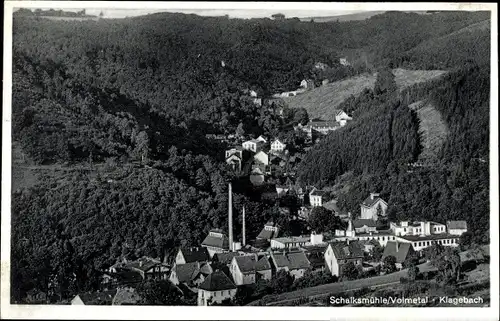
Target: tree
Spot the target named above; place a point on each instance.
(300, 116)
(163, 292)
(449, 265)
(466, 241)
(385, 82)
(413, 271)
(389, 264)
(349, 272)
(376, 252)
(380, 212)
(282, 282)
(323, 220)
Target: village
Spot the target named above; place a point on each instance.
(215, 269)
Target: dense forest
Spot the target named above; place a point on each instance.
(131, 100)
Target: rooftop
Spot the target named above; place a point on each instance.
(344, 250)
(399, 250)
(217, 281)
(431, 237)
(372, 199)
(362, 222)
(97, 298)
(293, 239)
(216, 241)
(195, 254)
(456, 225)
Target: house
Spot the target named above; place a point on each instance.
(290, 242)
(417, 228)
(247, 269)
(257, 176)
(193, 254)
(216, 288)
(420, 242)
(316, 256)
(253, 93)
(341, 115)
(277, 146)
(456, 227)
(296, 263)
(373, 206)
(190, 274)
(319, 126)
(252, 145)
(318, 197)
(262, 139)
(94, 298)
(146, 267)
(364, 225)
(368, 245)
(216, 242)
(261, 158)
(282, 190)
(307, 84)
(325, 82)
(338, 254)
(234, 157)
(401, 251)
(344, 62)
(225, 258)
(269, 231)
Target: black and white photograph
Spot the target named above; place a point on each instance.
(225, 156)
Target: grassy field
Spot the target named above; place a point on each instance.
(322, 101)
(433, 130)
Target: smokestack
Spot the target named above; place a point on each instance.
(230, 218)
(244, 229)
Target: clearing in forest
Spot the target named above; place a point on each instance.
(322, 102)
(433, 130)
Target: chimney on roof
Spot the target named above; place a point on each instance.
(373, 195)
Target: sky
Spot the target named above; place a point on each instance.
(233, 13)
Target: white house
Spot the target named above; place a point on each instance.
(261, 157)
(277, 146)
(319, 126)
(216, 288)
(344, 62)
(307, 84)
(252, 145)
(290, 242)
(341, 115)
(456, 227)
(318, 197)
(420, 242)
(262, 139)
(338, 254)
(234, 157)
(417, 228)
(371, 205)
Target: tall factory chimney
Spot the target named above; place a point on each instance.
(230, 219)
(244, 229)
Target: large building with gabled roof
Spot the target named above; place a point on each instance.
(372, 205)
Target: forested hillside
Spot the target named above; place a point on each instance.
(104, 94)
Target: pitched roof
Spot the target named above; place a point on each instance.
(456, 225)
(126, 296)
(225, 258)
(279, 259)
(369, 201)
(297, 260)
(342, 250)
(195, 254)
(246, 263)
(362, 222)
(217, 281)
(267, 234)
(441, 236)
(262, 264)
(144, 263)
(397, 249)
(293, 239)
(186, 272)
(97, 298)
(215, 241)
(318, 192)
